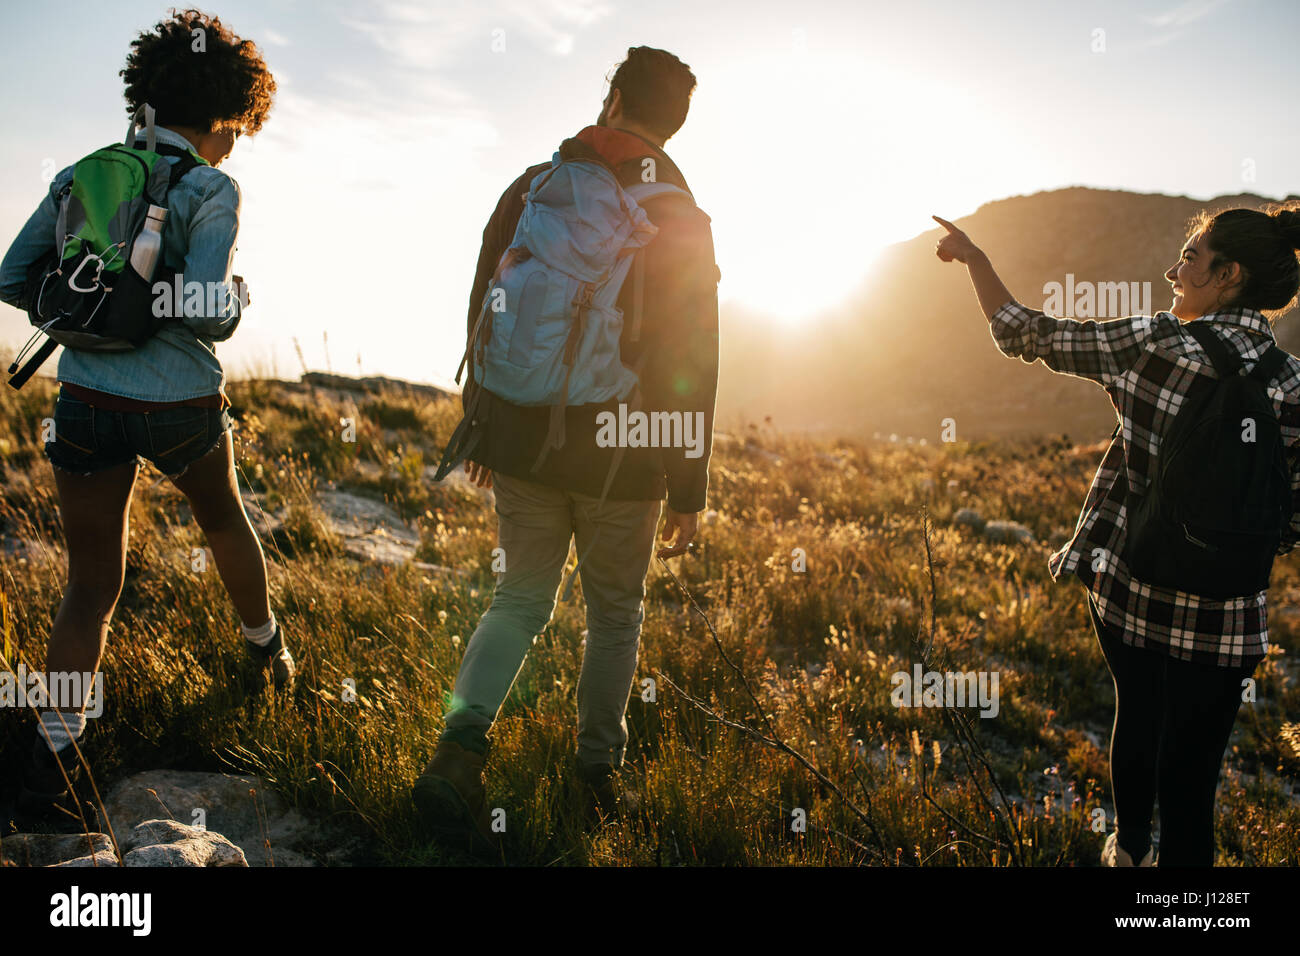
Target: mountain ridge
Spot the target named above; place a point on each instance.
(861, 371)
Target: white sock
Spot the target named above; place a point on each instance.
(52, 726)
(261, 636)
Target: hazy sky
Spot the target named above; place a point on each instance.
(820, 132)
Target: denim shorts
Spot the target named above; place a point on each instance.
(87, 439)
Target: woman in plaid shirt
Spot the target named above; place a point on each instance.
(1178, 659)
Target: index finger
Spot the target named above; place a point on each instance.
(946, 224)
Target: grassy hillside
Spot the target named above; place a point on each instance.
(817, 648)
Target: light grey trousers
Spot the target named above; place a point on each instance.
(535, 526)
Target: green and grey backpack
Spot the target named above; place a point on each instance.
(88, 291)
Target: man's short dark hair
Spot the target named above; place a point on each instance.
(195, 72)
(655, 88)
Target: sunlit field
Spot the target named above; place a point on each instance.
(770, 739)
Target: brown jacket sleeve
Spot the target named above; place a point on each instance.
(679, 327)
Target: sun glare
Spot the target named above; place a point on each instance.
(860, 161)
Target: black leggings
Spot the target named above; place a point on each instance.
(1172, 723)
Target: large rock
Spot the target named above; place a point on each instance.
(1008, 532)
(242, 809)
(168, 843)
(58, 849)
(373, 384)
(369, 530)
(96, 860)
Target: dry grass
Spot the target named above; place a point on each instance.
(818, 648)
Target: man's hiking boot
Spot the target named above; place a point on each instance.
(1112, 854)
(451, 796)
(275, 656)
(42, 787)
(604, 798)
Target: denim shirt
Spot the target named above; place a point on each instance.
(180, 361)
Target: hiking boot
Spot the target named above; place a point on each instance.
(1112, 854)
(42, 787)
(451, 795)
(276, 656)
(604, 796)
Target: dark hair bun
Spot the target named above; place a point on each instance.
(1264, 243)
(1289, 220)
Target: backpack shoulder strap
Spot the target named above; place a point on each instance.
(185, 162)
(1269, 364)
(1224, 361)
(179, 169)
(643, 191)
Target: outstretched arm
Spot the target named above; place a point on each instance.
(988, 287)
(1097, 351)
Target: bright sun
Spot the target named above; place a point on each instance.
(860, 161)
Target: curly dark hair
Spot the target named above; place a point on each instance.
(195, 72)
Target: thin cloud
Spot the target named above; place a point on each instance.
(1155, 41)
(1184, 13)
(425, 37)
(556, 21)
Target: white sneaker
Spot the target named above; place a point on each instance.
(1112, 854)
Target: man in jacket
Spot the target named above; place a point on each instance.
(541, 510)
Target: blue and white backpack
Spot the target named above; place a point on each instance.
(549, 329)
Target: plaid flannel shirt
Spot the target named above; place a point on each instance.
(1148, 365)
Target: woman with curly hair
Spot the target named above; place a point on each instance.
(1179, 657)
(163, 401)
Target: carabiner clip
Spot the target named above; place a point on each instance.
(72, 279)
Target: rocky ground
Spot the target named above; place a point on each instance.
(182, 818)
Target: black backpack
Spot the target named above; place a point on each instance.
(1212, 519)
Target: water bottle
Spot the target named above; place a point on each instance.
(147, 248)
